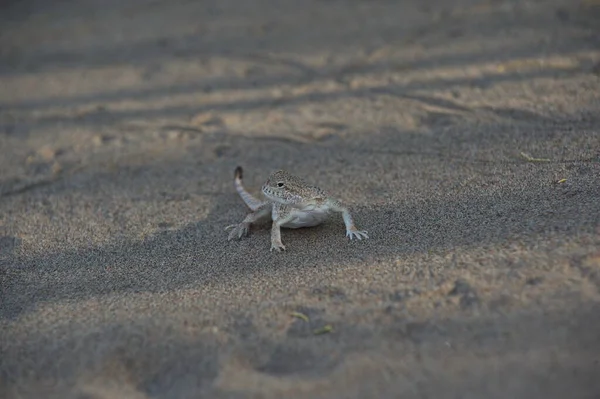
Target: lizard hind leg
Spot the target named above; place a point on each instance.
(351, 230)
(243, 229)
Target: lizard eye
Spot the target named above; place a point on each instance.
(280, 184)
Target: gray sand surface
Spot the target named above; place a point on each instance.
(463, 134)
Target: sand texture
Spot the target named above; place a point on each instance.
(464, 135)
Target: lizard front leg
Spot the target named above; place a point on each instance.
(351, 230)
(280, 215)
(243, 228)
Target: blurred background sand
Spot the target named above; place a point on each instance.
(463, 134)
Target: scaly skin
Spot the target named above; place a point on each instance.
(292, 203)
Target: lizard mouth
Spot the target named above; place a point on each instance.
(270, 194)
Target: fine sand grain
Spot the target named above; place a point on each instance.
(464, 135)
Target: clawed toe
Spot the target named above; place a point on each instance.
(231, 236)
(238, 231)
(277, 247)
(356, 233)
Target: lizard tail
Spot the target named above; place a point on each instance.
(252, 202)
(239, 173)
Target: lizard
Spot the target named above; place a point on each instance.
(290, 203)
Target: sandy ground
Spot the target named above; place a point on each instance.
(464, 135)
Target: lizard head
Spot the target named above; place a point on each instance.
(288, 189)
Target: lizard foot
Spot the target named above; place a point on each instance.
(238, 230)
(277, 246)
(356, 233)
